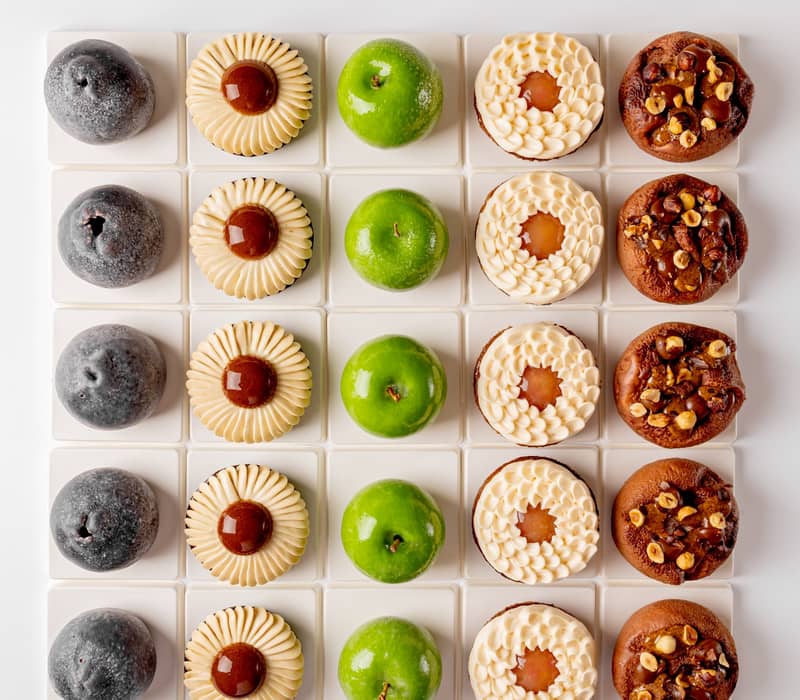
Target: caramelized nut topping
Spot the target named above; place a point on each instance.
(667, 500)
(689, 635)
(658, 420)
(723, 661)
(674, 343)
(723, 91)
(648, 661)
(686, 420)
(650, 395)
(685, 512)
(674, 126)
(666, 644)
(717, 349)
(688, 200)
(655, 104)
(691, 218)
(681, 259)
(685, 561)
(637, 410)
(708, 124)
(637, 517)
(655, 553)
(717, 521)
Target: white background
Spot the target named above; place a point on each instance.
(768, 476)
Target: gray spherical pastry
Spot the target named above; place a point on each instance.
(102, 654)
(110, 376)
(110, 236)
(98, 93)
(104, 519)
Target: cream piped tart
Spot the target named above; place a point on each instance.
(251, 237)
(539, 96)
(247, 524)
(249, 382)
(533, 650)
(536, 384)
(249, 93)
(535, 521)
(243, 652)
(539, 237)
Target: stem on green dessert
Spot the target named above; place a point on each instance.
(395, 545)
(396, 230)
(376, 81)
(385, 691)
(393, 393)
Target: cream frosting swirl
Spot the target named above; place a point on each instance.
(256, 484)
(264, 340)
(534, 482)
(530, 626)
(504, 259)
(499, 372)
(239, 277)
(529, 132)
(266, 631)
(248, 134)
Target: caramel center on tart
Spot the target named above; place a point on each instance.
(251, 232)
(250, 87)
(536, 524)
(539, 386)
(249, 382)
(238, 670)
(540, 90)
(244, 527)
(542, 234)
(536, 670)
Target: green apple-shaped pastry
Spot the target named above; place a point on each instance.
(392, 530)
(389, 93)
(390, 658)
(393, 386)
(396, 239)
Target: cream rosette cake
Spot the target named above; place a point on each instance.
(536, 384)
(251, 237)
(247, 525)
(539, 96)
(248, 94)
(533, 651)
(539, 237)
(535, 521)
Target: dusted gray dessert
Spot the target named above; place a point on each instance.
(104, 519)
(102, 654)
(110, 376)
(110, 236)
(98, 93)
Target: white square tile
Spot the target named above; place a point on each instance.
(621, 151)
(620, 186)
(300, 607)
(436, 471)
(618, 603)
(303, 151)
(435, 609)
(441, 147)
(167, 329)
(161, 470)
(440, 331)
(160, 608)
(621, 327)
(309, 289)
(164, 189)
(619, 464)
(480, 463)
(481, 290)
(482, 152)
(481, 603)
(484, 325)
(301, 467)
(347, 288)
(160, 142)
(307, 328)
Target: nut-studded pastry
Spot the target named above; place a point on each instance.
(248, 94)
(675, 520)
(247, 525)
(684, 97)
(680, 239)
(678, 384)
(533, 650)
(251, 237)
(674, 649)
(536, 384)
(243, 652)
(249, 382)
(539, 237)
(539, 96)
(535, 521)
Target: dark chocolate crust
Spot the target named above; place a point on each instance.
(636, 256)
(693, 481)
(650, 619)
(639, 360)
(633, 91)
(493, 474)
